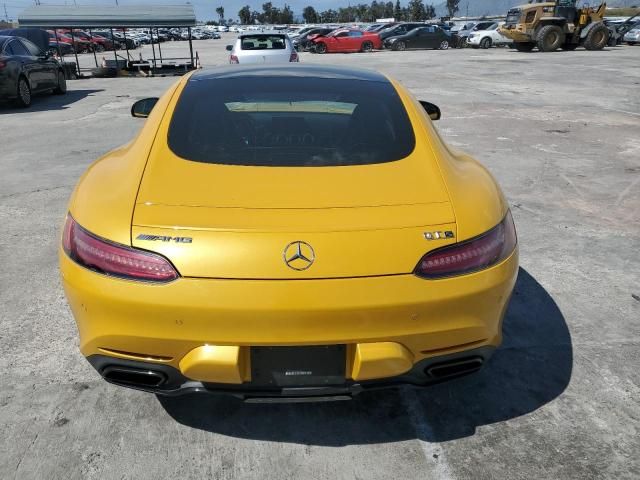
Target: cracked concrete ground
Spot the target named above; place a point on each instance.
(560, 399)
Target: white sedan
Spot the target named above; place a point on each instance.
(487, 38)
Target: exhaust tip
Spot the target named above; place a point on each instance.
(133, 377)
(455, 367)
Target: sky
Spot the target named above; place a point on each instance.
(205, 9)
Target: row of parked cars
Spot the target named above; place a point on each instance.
(397, 36)
(68, 41)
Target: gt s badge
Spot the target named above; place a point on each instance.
(438, 235)
(163, 238)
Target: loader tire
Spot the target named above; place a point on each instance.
(596, 38)
(550, 38)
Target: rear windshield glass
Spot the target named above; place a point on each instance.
(289, 121)
(262, 42)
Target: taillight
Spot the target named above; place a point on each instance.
(294, 57)
(111, 258)
(233, 59)
(3, 64)
(476, 254)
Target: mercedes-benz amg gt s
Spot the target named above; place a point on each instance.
(287, 231)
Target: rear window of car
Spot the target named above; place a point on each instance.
(263, 42)
(290, 121)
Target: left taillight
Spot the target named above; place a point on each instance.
(472, 255)
(233, 59)
(110, 258)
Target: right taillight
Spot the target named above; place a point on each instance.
(472, 255)
(294, 57)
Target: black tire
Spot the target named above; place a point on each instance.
(631, 43)
(366, 47)
(23, 93)
(444, 45)
(462, 42)
(485, 43)
(550, 38)
(569, 47)
(99, 48)
(400, 46)
(321, 47)
(524, 46)
(61, 89)
(596, 38)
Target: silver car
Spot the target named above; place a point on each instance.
(633, 36)
(262, 47)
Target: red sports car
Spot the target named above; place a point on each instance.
(347, 40)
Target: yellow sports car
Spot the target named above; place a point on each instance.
(290, 232)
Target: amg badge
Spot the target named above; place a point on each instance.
(163, 238)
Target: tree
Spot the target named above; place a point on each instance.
(309, 14)
(452, 7)
(397, 11)
(220, 12)
(388, 10)
(329, 16)
(416, 10)
(430, 12)
(285, 16)
(245, 15)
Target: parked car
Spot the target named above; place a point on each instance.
(632, 37)
(376, 280)
(399, 29)
(81, 45)
(488, 38)
(25, 70)
(118, 39)
(305, 41)
(464, 32)
(346, 40)
(262, 47)
(61, 48)
(431, 36)
(378, 27)
(100, 44)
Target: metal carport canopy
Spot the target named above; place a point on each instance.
(93, 16)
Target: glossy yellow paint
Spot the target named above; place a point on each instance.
(366, 224)
(380, 360)
(216, 363)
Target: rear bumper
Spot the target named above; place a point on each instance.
(390, 325)
(171, 382)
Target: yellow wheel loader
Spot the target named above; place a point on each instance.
(553, 25)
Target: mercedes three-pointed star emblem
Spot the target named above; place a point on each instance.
(298, 255)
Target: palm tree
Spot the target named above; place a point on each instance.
(220, 12)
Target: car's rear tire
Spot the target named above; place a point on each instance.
(444, 45)
(321, 47)
(596, 38)
(400, 46)
(366, 47)
(61, 89)
(525, 46)
(23, 97)
(550, 38)
(485, 43)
